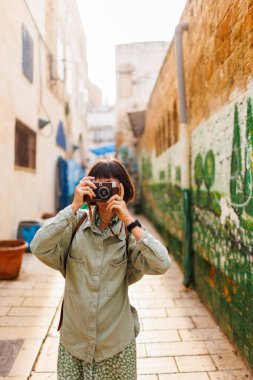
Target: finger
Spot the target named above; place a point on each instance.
(85, 187)
(114, 207)
(113, 198)
(88, 183)
(88, 192)
(116, 197)
(115, 203)
(87, 178)
(111, 201)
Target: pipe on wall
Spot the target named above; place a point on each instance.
(185, 154)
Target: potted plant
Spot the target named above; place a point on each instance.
(11, 254)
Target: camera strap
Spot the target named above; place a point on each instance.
(65, 261)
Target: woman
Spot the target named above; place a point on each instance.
(109, 252)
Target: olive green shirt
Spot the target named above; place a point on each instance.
(98, 320)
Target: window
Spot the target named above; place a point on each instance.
(27, 54)
(25, 146)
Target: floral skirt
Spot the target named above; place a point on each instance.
(121, 366)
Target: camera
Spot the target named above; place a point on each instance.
(104, 191)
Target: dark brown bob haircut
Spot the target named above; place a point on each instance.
(113, 168)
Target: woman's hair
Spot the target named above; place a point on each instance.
(113, 168)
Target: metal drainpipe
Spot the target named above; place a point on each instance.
(185, 154)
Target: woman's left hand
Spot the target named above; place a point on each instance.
(116, 203)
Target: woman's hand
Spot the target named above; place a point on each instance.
(117, 204)
(84, 188)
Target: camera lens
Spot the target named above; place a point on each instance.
(103, 192)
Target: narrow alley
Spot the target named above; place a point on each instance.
(179, 339)
(144, 110)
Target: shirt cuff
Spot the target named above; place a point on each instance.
(148, 241)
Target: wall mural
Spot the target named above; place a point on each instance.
(223, 220)
(162, 193)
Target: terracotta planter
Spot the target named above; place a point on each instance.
(11, 254)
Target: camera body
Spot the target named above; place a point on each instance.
(104, 191)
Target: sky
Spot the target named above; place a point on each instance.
(111, 22)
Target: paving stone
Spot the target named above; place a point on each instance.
(135, 304)
(185, 376)
(187, 311)
(147, 377)
(176, 348)
(48, 285)
(167, 323)
(148, 313)
(188, 303)
(31, 311)
(228, 361)
(231, 375)
(11, 301)
(25, 321)
(151, 366)
(156, 303)
(47, 361)
(44, 376)
(201, 322)
(141, 350)
(189, 294)
(147, 280)
(140, 287)
(44, 301)
(8, 351)
(151, 295)
(158, 336)
(23, 332)
(13, 378)
(219, 346)
(17, 284)
(26, 358)
(201, 334)
(10, 292)
(4, 310)
(50, 292)
(196, 363)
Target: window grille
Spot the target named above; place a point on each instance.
(25, 146)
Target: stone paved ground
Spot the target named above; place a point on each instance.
(179, 340)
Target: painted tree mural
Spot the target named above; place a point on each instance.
(236, 178)
(198, 173)
(146, 168)
(209, 172)
(248, 178)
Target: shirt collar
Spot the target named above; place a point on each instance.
(116, 225)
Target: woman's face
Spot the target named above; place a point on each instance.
(103, 205)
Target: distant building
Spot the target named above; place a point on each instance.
(95, 96)
(101, 133)
(44, 94)
(137, 68)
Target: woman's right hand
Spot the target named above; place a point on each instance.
(84, 188)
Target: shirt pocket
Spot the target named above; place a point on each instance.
(116, 274)
(75, 272)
